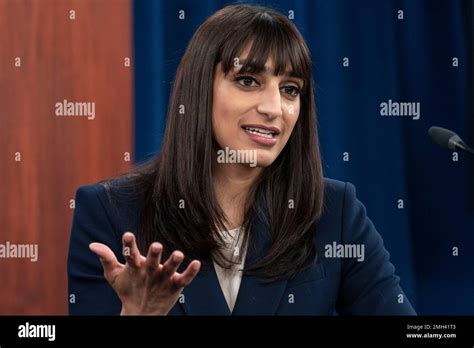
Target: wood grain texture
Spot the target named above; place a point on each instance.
(80, 60)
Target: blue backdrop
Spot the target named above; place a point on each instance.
(365, 52)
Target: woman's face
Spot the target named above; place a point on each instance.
(255, 112)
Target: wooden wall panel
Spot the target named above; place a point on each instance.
(80, 60)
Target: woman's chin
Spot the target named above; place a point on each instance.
(265, 161)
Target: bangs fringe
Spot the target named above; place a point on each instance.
(269, 38)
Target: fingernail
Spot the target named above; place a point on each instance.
(176, 257)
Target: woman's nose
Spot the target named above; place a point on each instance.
(270, 103)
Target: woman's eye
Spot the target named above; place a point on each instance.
(247, 81)
(292, 91)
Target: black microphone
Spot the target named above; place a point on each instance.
(449, 139)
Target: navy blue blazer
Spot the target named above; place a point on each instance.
(335, 285)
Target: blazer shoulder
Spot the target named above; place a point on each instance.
(117, 198)
(334, 187)
(333, 183)
(91, 192)
(337, 194)
(340, 202)
(334, 192)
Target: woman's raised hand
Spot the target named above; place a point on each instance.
(144, 285)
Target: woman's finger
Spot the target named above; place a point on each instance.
(153, 259)
(184, 279)
(130, 250)
(106, 256)
(172, 264)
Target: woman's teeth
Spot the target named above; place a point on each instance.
(260, 132)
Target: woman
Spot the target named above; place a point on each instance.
(235, 204)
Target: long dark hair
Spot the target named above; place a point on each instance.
(180, 209)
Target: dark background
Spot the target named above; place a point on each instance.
(470, 27)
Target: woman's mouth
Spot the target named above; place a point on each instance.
(262, 135)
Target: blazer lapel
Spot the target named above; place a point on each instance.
(256, 297)
(204, 295)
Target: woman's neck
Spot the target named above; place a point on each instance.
(232, 183)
